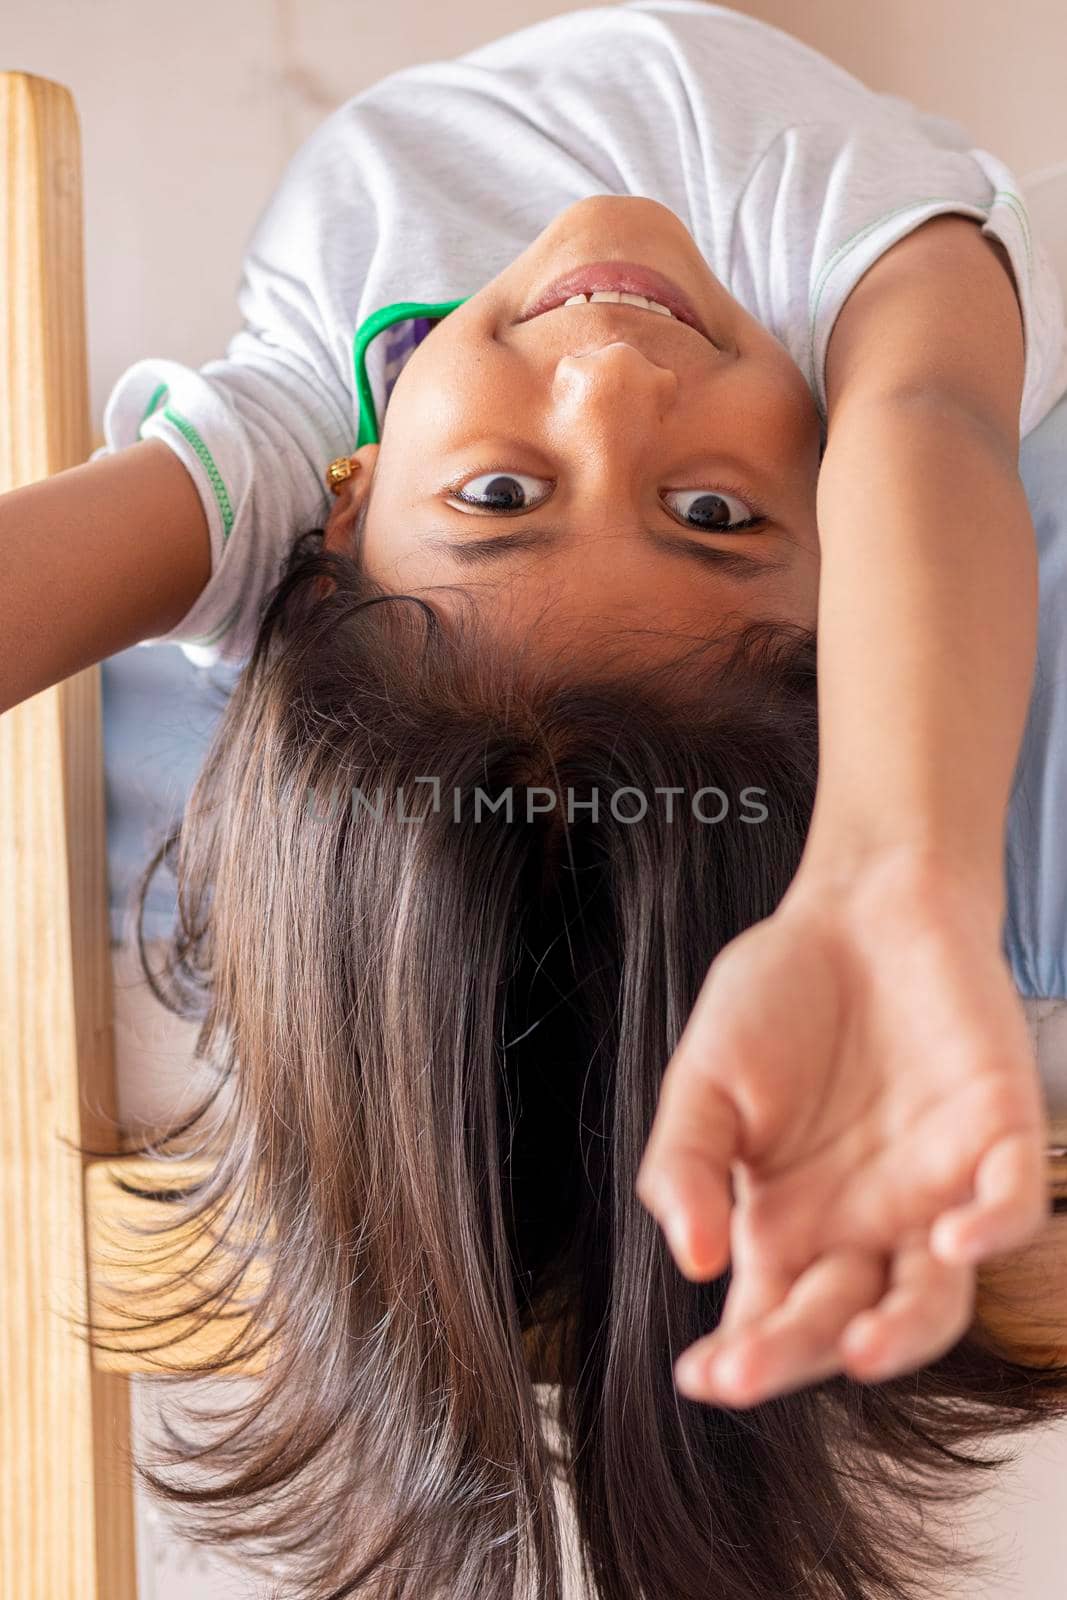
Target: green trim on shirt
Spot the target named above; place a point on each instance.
(157, 395)
(186, 429)
(370, 328)
(223, 499)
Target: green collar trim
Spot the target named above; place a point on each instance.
(400, 311)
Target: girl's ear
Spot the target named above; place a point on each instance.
(337, 534)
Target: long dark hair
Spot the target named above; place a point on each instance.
(438, 1045)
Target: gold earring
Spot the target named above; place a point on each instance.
(339, 471)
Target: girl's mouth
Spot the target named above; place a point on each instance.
(625, 277)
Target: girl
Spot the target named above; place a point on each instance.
(440, 922)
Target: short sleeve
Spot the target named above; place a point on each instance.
(828, 198)
(1035, 838)
(255, 428)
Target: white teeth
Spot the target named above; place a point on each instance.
(649, 305)
(618, 297)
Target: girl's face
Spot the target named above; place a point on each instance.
(605, 428)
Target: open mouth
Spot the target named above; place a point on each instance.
(623, 283)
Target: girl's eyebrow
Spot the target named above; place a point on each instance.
(496, 546)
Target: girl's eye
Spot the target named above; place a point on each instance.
(708, 509)
(499, 493)
(712, 512)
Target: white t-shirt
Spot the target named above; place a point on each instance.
(791, 174)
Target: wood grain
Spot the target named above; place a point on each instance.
(66, 1504)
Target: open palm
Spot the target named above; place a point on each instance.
(857, 1069)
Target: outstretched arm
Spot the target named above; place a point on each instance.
(928, 596)
(93, 560)
(852, 1118)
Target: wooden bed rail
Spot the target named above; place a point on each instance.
(66, 1507)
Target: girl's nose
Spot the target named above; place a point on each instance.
(614, 382)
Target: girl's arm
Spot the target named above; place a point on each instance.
(928, 588)
(927, 634)
(93, 560)
(852, 1117)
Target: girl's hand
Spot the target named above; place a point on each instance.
(859, 1063)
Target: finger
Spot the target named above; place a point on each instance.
(928, 1306)
(796, 1344)
(1010, 1203)
(684, 1178)
(761, 1276)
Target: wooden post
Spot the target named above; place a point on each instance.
(66, 1498)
